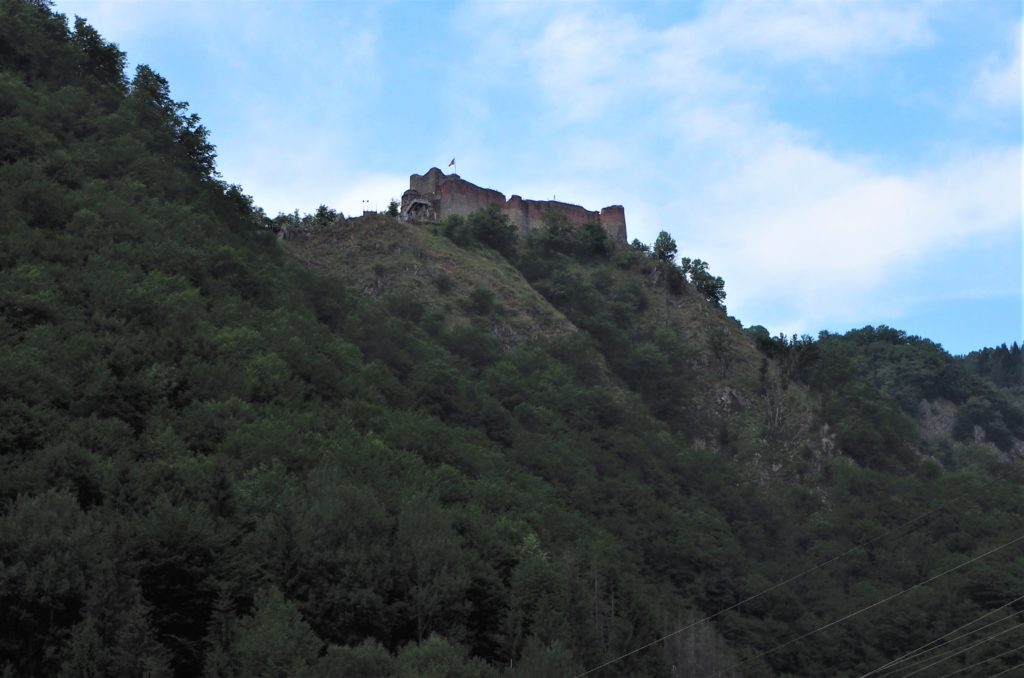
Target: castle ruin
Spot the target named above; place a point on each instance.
(436, 195)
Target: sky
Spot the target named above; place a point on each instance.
(838, 164)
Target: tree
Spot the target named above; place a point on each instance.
(711, 287)
(454, 228)
(393, 208)
(435, 567)
(101, 60)
(167, 123)
(557, 234)
(323, 217)
(275, 640)
(541, 660)
(593, 240)
(436, 657)
(492, 228)
(665, 248)
(641, 247)
(367, 660)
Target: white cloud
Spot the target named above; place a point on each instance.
(589, 61)
(815, 236)
(580, 61)
(128, 20)
(812, 30)
(827, 236)
(999, 83)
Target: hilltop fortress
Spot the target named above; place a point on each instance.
(436, 195)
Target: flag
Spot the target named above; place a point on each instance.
(452, 163)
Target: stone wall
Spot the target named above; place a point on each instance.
(462, 197)
(427, 183)
(438, 195)
(613, 218)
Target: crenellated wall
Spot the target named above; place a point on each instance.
(436, 195)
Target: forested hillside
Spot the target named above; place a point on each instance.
(226, 455)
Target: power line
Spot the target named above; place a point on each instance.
(1012, 668)
(1001, 654)
(918, 655)
(875, 604)
(954, 653)
(921, 658)
(774, 586)
(924, 648)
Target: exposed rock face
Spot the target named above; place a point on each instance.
(435, 195)
(937, 418)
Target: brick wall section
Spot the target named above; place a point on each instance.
(451, 194)
(515, 210)
(462, 197)
(576, 215)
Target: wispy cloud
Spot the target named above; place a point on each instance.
(999, 82)
(828, 236)
(830, 31)
(804, 236)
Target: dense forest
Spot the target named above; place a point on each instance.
(219, 459)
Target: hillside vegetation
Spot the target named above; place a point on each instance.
(379, 449)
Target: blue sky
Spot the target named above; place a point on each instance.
(839, 164)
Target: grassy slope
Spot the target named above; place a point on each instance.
(384, 257)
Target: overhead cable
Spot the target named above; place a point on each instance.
(923, 649)
(1001, 654)
(1012, 668)
(952, 653)
(771, 588)
(876, 603)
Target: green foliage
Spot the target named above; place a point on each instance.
(640, 247)
(443, 282)
(665, 248)
(911, 370)
(215, 463)
(481, 301)
(545, 661)
(979, 413)
(712, 288)
(664, 251)
(274, 640)
(455, 229)
(294, 224)
(488, 227)
(1002, 365)
(167, 124)
(492, 228)
(438, 658)
(594, 241)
